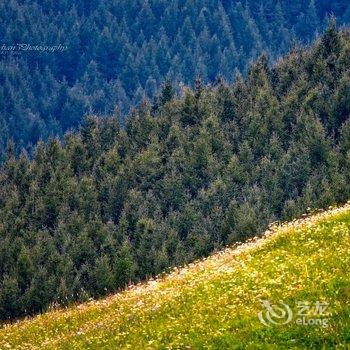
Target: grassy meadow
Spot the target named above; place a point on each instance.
(215, 303)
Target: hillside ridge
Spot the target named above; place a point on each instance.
(103, 323)
(186, 176)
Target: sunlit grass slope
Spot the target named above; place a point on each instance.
(214, 303)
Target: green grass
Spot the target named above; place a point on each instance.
(214, 303)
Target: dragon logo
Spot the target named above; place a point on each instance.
(275, 314)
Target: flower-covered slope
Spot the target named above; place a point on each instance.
(215, 303)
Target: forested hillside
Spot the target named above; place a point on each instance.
(186, 176)
(214, 303)
(115, 52)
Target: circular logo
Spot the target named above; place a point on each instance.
(275, 314)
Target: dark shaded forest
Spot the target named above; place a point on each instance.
(118, 52)
(188, 174)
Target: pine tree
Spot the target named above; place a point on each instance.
(167, 92)
(124, 268)
(102, 276)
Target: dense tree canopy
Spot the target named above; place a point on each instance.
(188, 174)
(117, 52)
